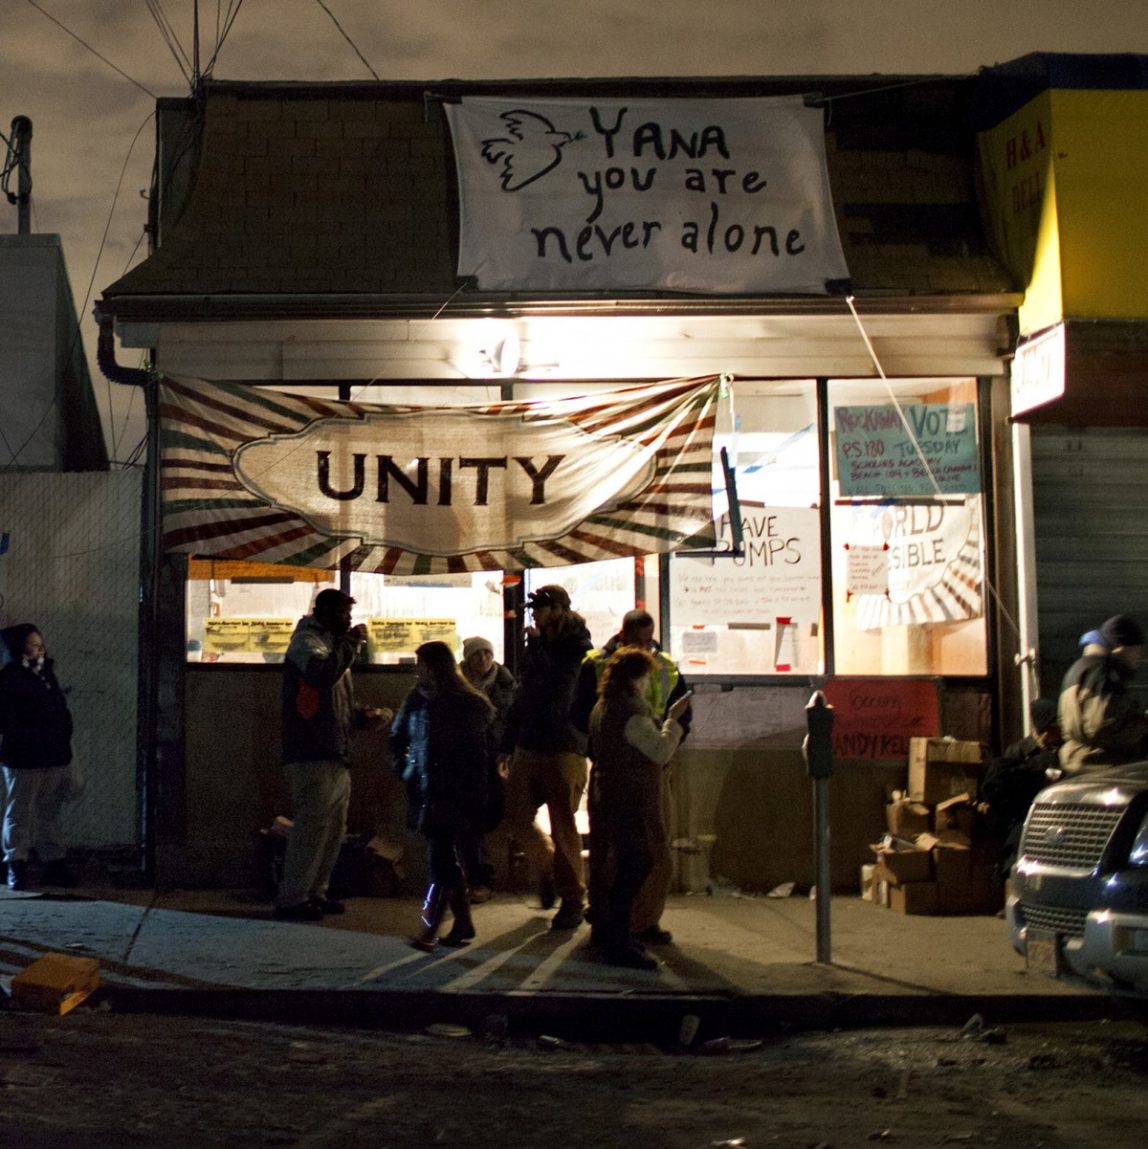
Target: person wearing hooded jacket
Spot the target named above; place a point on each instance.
(547, 753)
(35, 751)
(1100, 720)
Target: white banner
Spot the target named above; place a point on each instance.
(933, 556)
(702, 195)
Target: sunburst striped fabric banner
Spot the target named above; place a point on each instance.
(264, 476)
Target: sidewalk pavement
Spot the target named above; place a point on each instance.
(742, 964)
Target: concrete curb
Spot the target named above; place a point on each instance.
(614, 1017)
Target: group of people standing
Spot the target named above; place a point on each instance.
(474, 747)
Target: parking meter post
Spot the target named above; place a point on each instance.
(819, 760)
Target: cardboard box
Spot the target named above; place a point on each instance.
(914, 898)
(907, 819)
(953, 864)
(55, 983)
(903, 867)
(955, 820)
(981, 893)
(940, 768)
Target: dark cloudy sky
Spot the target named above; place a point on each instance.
(86, 114)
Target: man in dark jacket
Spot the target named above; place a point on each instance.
(1101, 721)
(318, 717)
(548, 766)
(1014, 779)
(35, 750)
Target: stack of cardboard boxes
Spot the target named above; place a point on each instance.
(932, 858)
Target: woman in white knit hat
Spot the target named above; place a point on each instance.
(481, 670)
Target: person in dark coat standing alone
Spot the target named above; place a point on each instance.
(444, 748)
(35, 751)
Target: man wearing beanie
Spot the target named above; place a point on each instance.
(1102, 724)
(548, 765)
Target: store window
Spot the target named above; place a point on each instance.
(907, 528)
(247, 616)
(758, 613)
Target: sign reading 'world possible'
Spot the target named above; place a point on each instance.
(724, 196)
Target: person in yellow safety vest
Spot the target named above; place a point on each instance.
(666, 686)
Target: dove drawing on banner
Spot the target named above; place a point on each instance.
(531, 148)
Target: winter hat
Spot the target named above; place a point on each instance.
(473, 645)
(15, 636)
(1120, 630)
(1042, 713)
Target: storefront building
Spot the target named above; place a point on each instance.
(427, 254)
(1066, 183)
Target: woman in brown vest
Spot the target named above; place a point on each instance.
(630, 748)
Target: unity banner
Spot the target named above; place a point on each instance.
(700, 195)
(269, 477)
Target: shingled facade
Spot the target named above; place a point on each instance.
(347, 193)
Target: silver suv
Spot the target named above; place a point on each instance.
(1079, 900)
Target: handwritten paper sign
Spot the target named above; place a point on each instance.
(247, 635)
(917, 449)
(761, 610)
(686, 195)
(406, 635)
(866, 569)
(934, 557)
(876, 717)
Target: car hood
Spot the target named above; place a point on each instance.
(1112, 785)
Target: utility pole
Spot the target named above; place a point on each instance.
(20, 158)
(195, 48)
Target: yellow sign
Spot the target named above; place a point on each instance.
(247, 635)
(198, 568)
(1064, 177)
(406, 635)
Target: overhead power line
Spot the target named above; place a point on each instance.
(84, 43)
(335, 21)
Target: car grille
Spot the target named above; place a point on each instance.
(1057, 921)
(1072, 835)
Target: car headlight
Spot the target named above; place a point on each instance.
(1138, 855)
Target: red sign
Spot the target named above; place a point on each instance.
(876, 717)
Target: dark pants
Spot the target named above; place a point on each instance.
(445, 861)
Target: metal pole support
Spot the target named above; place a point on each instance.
(818, 750)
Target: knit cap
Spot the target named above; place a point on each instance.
(1120, 630)
(473, 645)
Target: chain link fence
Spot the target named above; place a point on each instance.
(69, 562)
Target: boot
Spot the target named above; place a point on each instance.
(17, 874)
(434, 909)
(462, 931)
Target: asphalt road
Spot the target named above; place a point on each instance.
(95, 1078)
